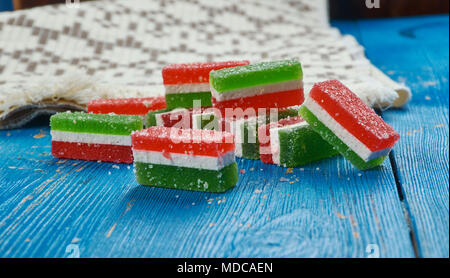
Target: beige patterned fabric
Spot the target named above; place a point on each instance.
(56, 57)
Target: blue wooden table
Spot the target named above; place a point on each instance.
(61, 208)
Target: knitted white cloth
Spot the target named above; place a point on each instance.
(56, 57)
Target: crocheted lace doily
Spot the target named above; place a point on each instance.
(58, 57)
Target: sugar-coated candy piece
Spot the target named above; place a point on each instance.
(126, 106)
(291, 142)
(246, 131)
(186, 83)
(179, 117)
(275, 84)
(86, 136)
(347, 123)
(203, 118)
(190, 159)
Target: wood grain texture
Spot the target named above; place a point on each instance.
(415, 51)
(326, 209)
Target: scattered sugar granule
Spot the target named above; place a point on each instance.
(257, 191)
(109, 172)
(252, 169)
(283, 179)
(116, 166)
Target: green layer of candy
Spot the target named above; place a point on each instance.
(302, 146)
(255, 75)
(186, 100)
(329, 136)
(95, 123)
(250, 144)
(207, 121)
(168, 176)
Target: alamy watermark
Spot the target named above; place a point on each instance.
(373, 251)
(232, 120)
(370, 4)
(72, 251)
(73, 4)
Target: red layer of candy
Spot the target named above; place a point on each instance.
(179, 118)
(185, 141)
(274, 100)
(195, 72)
(264, 136)
(126, 106)
(354, 115)
(85, 151)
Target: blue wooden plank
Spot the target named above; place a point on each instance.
(327, 209)
(416, 51)
(6, 5)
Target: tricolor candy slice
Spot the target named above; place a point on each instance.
(190, 159)
(126, 106)
(265, 85)
(291, 142)
(348, 124)
(104, 137)
(179, 117)
(246, 131)
(186, 83)
(204, 118)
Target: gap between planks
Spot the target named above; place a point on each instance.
(404, 202)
